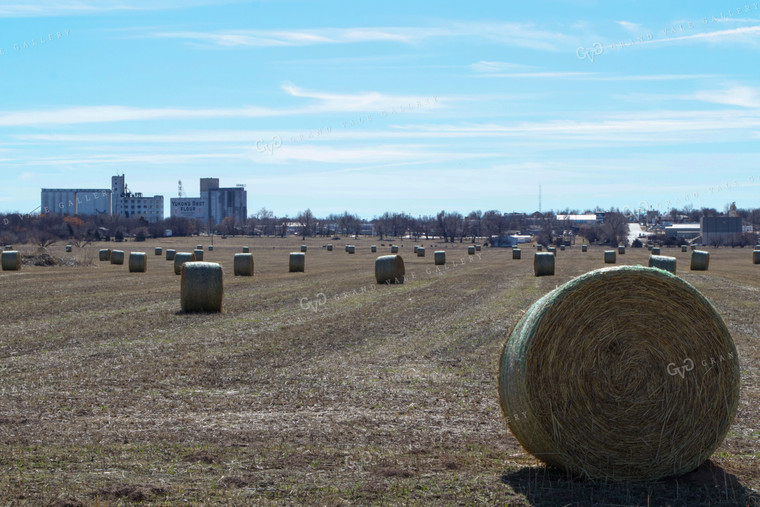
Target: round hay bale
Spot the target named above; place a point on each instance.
(700, 260)
(170, 255)
(477, 248)
(246, 249)
(303, 248)
(211, 248)
(539, 247)
(198, 254)
(584, 248)
(587, 386)
(693, 247)
(8, 247)
(656, 250)
(621, 249)
(10, 260)
(683, 248)
(373, 248)
(297, 262)
(68, 248)
(199, 247)
(104, 254)
(117, 257)
(421, 252)
(389, 269)
(329, 247)
(351, 249)
(346, 248)
(439, 257)
(470, 250)
(551, 249)
(610, 257)
(180, 258)
(394, 248)
(243, 264)
(663, 262)
(159, 250)
(543, 264)
(516, 253)
(201, 287)
(756, 256)
(138, 262)
(649, 247)
(416, 248)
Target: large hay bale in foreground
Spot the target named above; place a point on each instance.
(394, 248)
(243, 264)
(683, 248)
(470, 250)
(663, 262)
(589, 386)
(170, 255)
(201, 287)
(543, 264)
(198, 254)
(439, 258)
(756, 257)
(117, 257)
(420, 252)
(621, 249)
(180, 258)
(610, 257)
(104, 254)
(159, 250)
(138, 262)
(10, 260)
(389, 269)
(516, 253)
(297, 262)
(700, 260)
(584, 248)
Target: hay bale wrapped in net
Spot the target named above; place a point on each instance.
(389, 269)
(543, 264)
(180, 258)
(117, 257)
(756, 256)
(584, 248)
(138, 262)
(700, 260)
(104, 254)
(198, 252)
(246, 249)
(68, 248)
(610, 257)
(351, 249)
(10, 260)
(587, 386)
(470, 250)
(243, 264)
(539, 247)
(683, 248)
(373, 248)
(303, 248)
(202, 289)
(170, 255)
(211, 248)
(621, 249)
(329, 247)
(516, 253)
(394, 248)
(663, 262)
(420, 252)
(439, 258)
(656, 250)
(159, 250)
(297, 262)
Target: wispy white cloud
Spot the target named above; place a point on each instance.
(744, 96)
(486, 66)
(47, 8)
(634, 28)
(746, 35)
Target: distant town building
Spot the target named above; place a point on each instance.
(579, 220)
(720, 230)
(686, 231)
(214, 204)
(134, 205)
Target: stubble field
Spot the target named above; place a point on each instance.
(311, 388)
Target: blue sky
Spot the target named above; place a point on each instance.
(385, 106)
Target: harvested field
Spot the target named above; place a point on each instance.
(322, 388)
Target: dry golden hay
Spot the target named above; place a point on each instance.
(621, 249)
(104, 254)
(471, 250)
(373, 248)
(539, 247)
(543, 264)
(420, 252)
(303, 248)
(756, 257)
(516, 253)
(297, 262)
(10, 260)
(394, 248)
(202, 289)
(180, 258)
(663, 262)
(351, 249)
(656, 250)
(117, 257)
(246, 249)
(170, 255)
(68, 248)
(329, 247)
(243, 264)
(389, 269)
(624, 373)
(138, 262)
(700, 260)
(159, 250)
(198, 252)
(683, 248)
(610, 257)
(439, 258)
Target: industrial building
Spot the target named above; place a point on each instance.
(720, 230)
(134, 205)
(685, 231)
(214, 204)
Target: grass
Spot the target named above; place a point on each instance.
(383, 395)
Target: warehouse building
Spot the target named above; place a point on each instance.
(214, 204)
